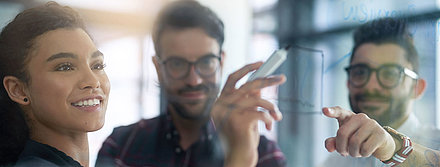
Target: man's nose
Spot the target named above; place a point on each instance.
(373, 83)
(193, 78)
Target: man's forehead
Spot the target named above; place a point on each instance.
(190, 43)
(189, 57)
(378, 54)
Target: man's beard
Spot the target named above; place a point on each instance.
(211, 90)
(396, 108)
(184, 113)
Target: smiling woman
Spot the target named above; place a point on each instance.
(54, 88)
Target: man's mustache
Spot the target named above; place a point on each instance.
(375, 96)
(202, 87)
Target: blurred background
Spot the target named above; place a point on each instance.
(254, 29)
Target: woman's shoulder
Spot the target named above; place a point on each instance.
(38, 154)
(34, 161)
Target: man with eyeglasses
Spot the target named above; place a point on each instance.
(383, 84)
(188, 40)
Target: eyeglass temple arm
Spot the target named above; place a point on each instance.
(411, 73)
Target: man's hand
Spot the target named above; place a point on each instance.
(359, 136)
(235, 114)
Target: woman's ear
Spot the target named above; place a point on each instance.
(16, 90)
(419, 88)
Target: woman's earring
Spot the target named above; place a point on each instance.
(25, 99)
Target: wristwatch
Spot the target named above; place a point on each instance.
(403, 153)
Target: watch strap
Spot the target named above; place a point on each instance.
(404, 152)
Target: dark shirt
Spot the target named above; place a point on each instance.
(36, 154)
(155, 142)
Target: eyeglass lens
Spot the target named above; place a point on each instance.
(388, 76)
(179, 68)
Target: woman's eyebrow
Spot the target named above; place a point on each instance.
(71, 55)
(97, 54)
(62, 55)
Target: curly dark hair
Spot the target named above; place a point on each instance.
(387, 30)
(16, 42)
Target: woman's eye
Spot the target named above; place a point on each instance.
(64, 67)
(99, 66)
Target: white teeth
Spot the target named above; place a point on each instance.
(90, 102)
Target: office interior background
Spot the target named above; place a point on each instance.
(254, 29)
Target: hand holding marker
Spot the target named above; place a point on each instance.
(274, 61)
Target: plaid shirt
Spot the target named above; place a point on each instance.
(155, 142)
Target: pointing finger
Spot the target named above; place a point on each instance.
(337, 112)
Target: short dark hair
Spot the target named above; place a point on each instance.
(387, 30)
(184, 14)
(17, 40)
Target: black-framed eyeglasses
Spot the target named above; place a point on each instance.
(178, 68)
(388, 75)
